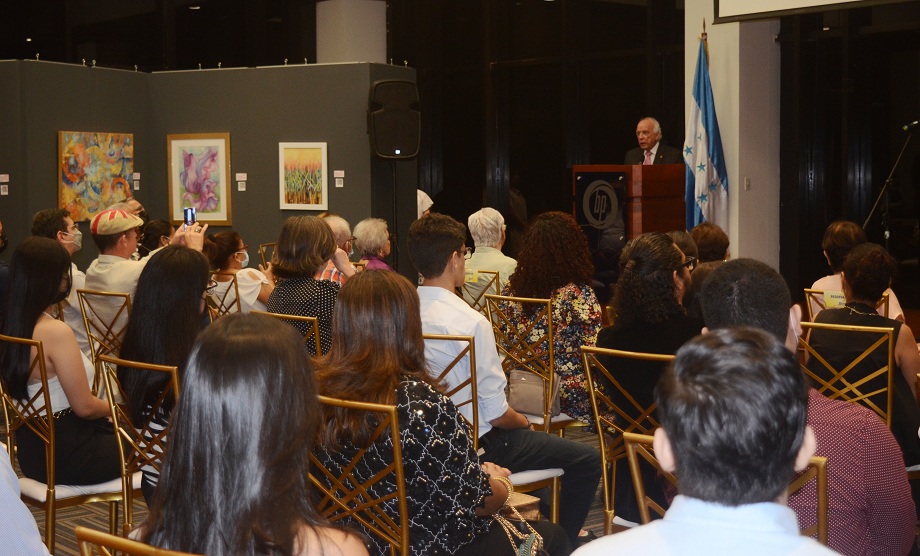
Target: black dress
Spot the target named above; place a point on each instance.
(307, 297)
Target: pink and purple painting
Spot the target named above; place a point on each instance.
(199, 176)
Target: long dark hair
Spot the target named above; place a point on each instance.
(165, 320)
(645, 291)
(234, 480)
(153, 231)
(376, 343)
(554, 254)
(38, 267)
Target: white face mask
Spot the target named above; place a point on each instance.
(245, 261)
(77, 239)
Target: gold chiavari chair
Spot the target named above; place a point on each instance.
(140, 444)
(266, 251)
(344, 497)
(616, 412)
(853, 382)
(528, 349)
(487, 282)
(96, 543)
(312, 325)
(360, 266)
(817, 300)
(105, 316)
(224, 303)
(49, 496)
(464, 393)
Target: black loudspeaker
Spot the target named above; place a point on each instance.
(393, 119)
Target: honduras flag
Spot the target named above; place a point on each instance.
(707, 180)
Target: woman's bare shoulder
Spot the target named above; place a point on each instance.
(326, 541)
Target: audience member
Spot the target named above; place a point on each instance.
(651, 150)
(132, 206)
(711, 242)
(57, 224)
(866, 273)
(372, 240)
(18, 529)
(487, 226)
(869, 506)
(344, 242)
(698, 277)
(450, 495)
(424, 203)
(250, 373)
(840, 237)
(436, 245)
(85, 449)
(684, 241)
(304, 246)
(555, 263)
(165, 319)
(647, 318)
(732, 408)
(117, 234)
(155, 234)
(228, 254)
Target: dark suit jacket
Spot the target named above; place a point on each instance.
(665, 155)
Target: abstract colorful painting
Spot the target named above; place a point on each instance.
(302, 178)
(95, 171)
(199, 176)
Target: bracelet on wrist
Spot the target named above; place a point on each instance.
(505, 481)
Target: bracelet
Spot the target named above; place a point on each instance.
(505, 481)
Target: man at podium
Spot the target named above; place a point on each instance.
(651, 150)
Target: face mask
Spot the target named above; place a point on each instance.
(245, 261)
(77, 239)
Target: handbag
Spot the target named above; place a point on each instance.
(524, 538)
(525, 393)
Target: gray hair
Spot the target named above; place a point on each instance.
(657, 126)
(371, 234)
(340, 228)
(486, 227)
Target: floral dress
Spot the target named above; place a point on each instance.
(445, 483)
(576, 322)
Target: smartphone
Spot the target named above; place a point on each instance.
(190, 216)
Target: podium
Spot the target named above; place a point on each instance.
(651, 197)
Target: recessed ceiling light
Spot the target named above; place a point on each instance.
(194, 7)
(28, 39)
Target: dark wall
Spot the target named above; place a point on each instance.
(259, 107)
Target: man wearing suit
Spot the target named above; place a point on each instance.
(651, 150)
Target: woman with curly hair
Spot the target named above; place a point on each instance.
(647, 317)
(554, 263)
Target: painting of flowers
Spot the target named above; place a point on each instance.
(95, 171)
(302, 176)
(199, 176)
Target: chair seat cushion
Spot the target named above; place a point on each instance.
(37, 491)
(538, 419)
(534, 475)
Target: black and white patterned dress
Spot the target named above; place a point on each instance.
(307, 297)
(445, 483)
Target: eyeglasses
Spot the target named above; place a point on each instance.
(243, 249)
(689, 263)
(467, 252)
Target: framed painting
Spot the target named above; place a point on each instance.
(199, 176)
(95, 171)
(302, 176)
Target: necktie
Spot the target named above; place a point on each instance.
(648, 158)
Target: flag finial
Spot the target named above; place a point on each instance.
(703, 36)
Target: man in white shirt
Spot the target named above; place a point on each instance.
(57, 224)
(487, 226)
(436, 248)
(732, 409)
(117, 234)
(18, 531)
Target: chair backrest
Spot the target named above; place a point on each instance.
(464, 394)
(474, 292)
(224, 303)
(312, 325)
(817, 300)
(93, 543)
(266, 251)
(858, 379)
(31, 413)
(526, 344)
(640, 445)
(105, 316)
(343, 496)
(360, 266)
(140, 444)
(817, 472)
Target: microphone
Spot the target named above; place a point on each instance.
(911, 125)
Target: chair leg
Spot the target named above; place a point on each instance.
(608, 521)
(554, 504)
(113, 517)
(49, 523)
